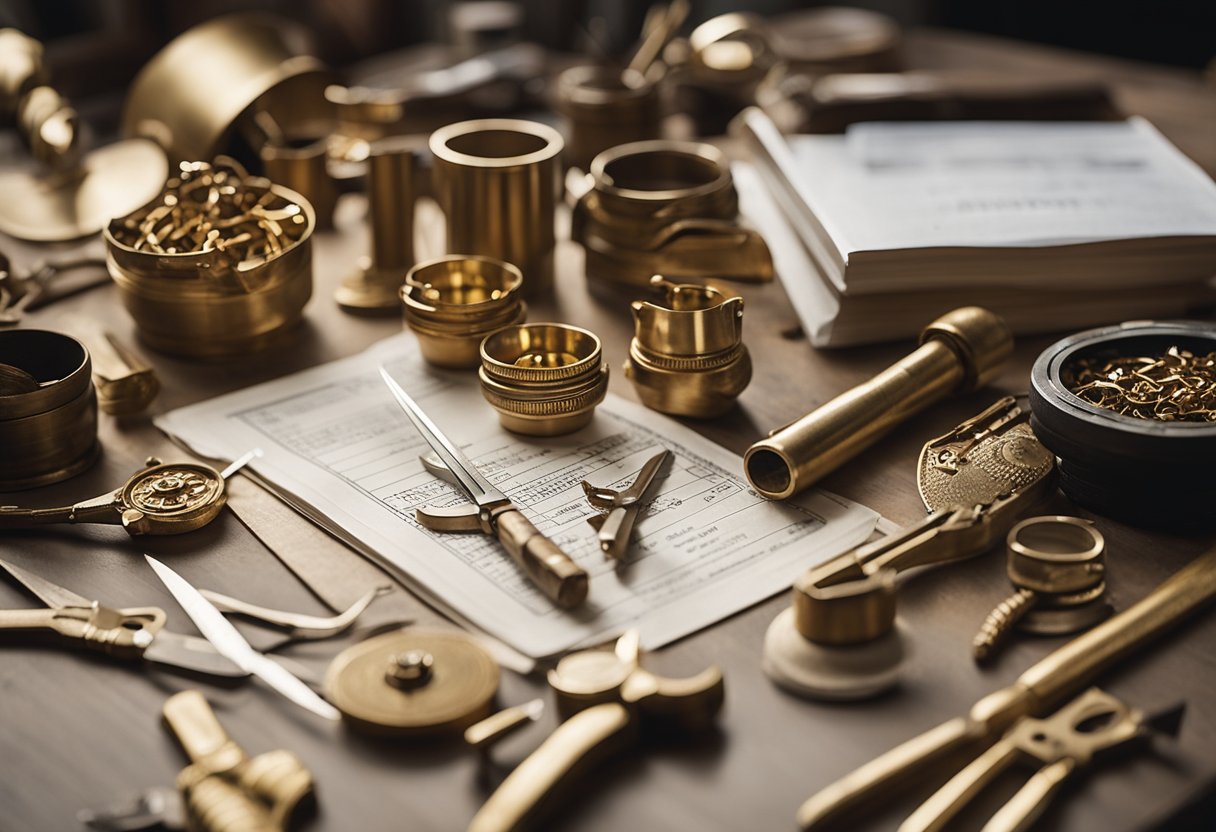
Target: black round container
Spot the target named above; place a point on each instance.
(1141, 471)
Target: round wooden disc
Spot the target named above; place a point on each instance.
(462, 683)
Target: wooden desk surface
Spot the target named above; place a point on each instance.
(79, 730)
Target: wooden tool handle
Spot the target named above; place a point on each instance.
(578, 743)
(194, 724)
(551, 569)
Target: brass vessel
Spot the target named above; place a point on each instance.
(961, 351)
(605, 107)
(452, 303)
(665, 207)
(543, 379)
(48, 409)
(687, 356)
(497, 181)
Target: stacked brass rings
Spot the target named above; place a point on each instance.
(543, 379)
(605, 107)
(497, 180)
(665, 207)
(687, 356)
(196, 301)
(48, 431)
(452, 303)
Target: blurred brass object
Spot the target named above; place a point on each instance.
(452, 303)
(413, 682)
(190, 96)
(496, 181)
(303, 167)
(75, 194)
(125, 384)
(687, 356)
(611, 703)
(43, 284)
(1057, 566)
(484, 734)
(160, 499)
(669, 208)
(48, 409)
(961, 351)
(226, 790)
(1047, 684)
(604, 107)
(373, 287)
(543, 379)
(212, 278)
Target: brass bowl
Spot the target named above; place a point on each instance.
(452, 303)
(543, 379)
(48, 434)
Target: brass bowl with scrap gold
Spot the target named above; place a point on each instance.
(212, 282)
(452, 303)
(48, 409)
(543, 379)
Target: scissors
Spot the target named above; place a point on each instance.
(614, 528)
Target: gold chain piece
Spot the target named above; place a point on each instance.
(1179, 386)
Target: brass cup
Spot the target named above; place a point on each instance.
(452, 303)
(48, 434)
(605, 107)
(189, 304)
(543, 379)
(497, 180)
(687, 356)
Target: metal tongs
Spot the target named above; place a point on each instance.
(614, 528)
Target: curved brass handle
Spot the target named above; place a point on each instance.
(577, 744)
(559, 577)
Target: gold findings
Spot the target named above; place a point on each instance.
(413, 682)
(669, 208)
(961, 351)
(220, 265)
(1177, 386)
(48, 409)
(452, 303)
(687, 357)
(543, 379)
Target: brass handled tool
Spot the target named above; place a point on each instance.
(1057, 565)
(23, 292)
(129, 634)
(163, 498)
(223, 788)
(1058, 746)
(551, 569)
(612, 701)
(614, 528)
(1044, 686)
(839, 639)
(961, 351)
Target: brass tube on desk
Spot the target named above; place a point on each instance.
(962, 350)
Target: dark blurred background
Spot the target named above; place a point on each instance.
(98, 45)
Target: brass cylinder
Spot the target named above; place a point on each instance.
(48, 433)
(303, 167)
(960, 351)
(452, 303)
(543, 379)
(605, 107)
(687, 355)
(497, 181)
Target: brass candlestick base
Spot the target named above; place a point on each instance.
(369, 290)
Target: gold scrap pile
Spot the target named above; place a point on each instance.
(1178, 386)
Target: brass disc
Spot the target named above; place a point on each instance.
(462, 683)
(113, 181)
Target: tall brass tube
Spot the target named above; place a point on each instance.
(496, 180)
(960, 351)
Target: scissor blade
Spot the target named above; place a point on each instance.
(230, 643)
(53, 595)
(191, 653)
(476, 486)
(645, 477)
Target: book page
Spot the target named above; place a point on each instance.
(705, 546)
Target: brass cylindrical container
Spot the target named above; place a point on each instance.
(669, 208)
(200, 303)
(961, 351)
(497, 181)
(543, 379)
(605, 106)
(687, 356)
(452, 303)
(48, 409)
(303, 167)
